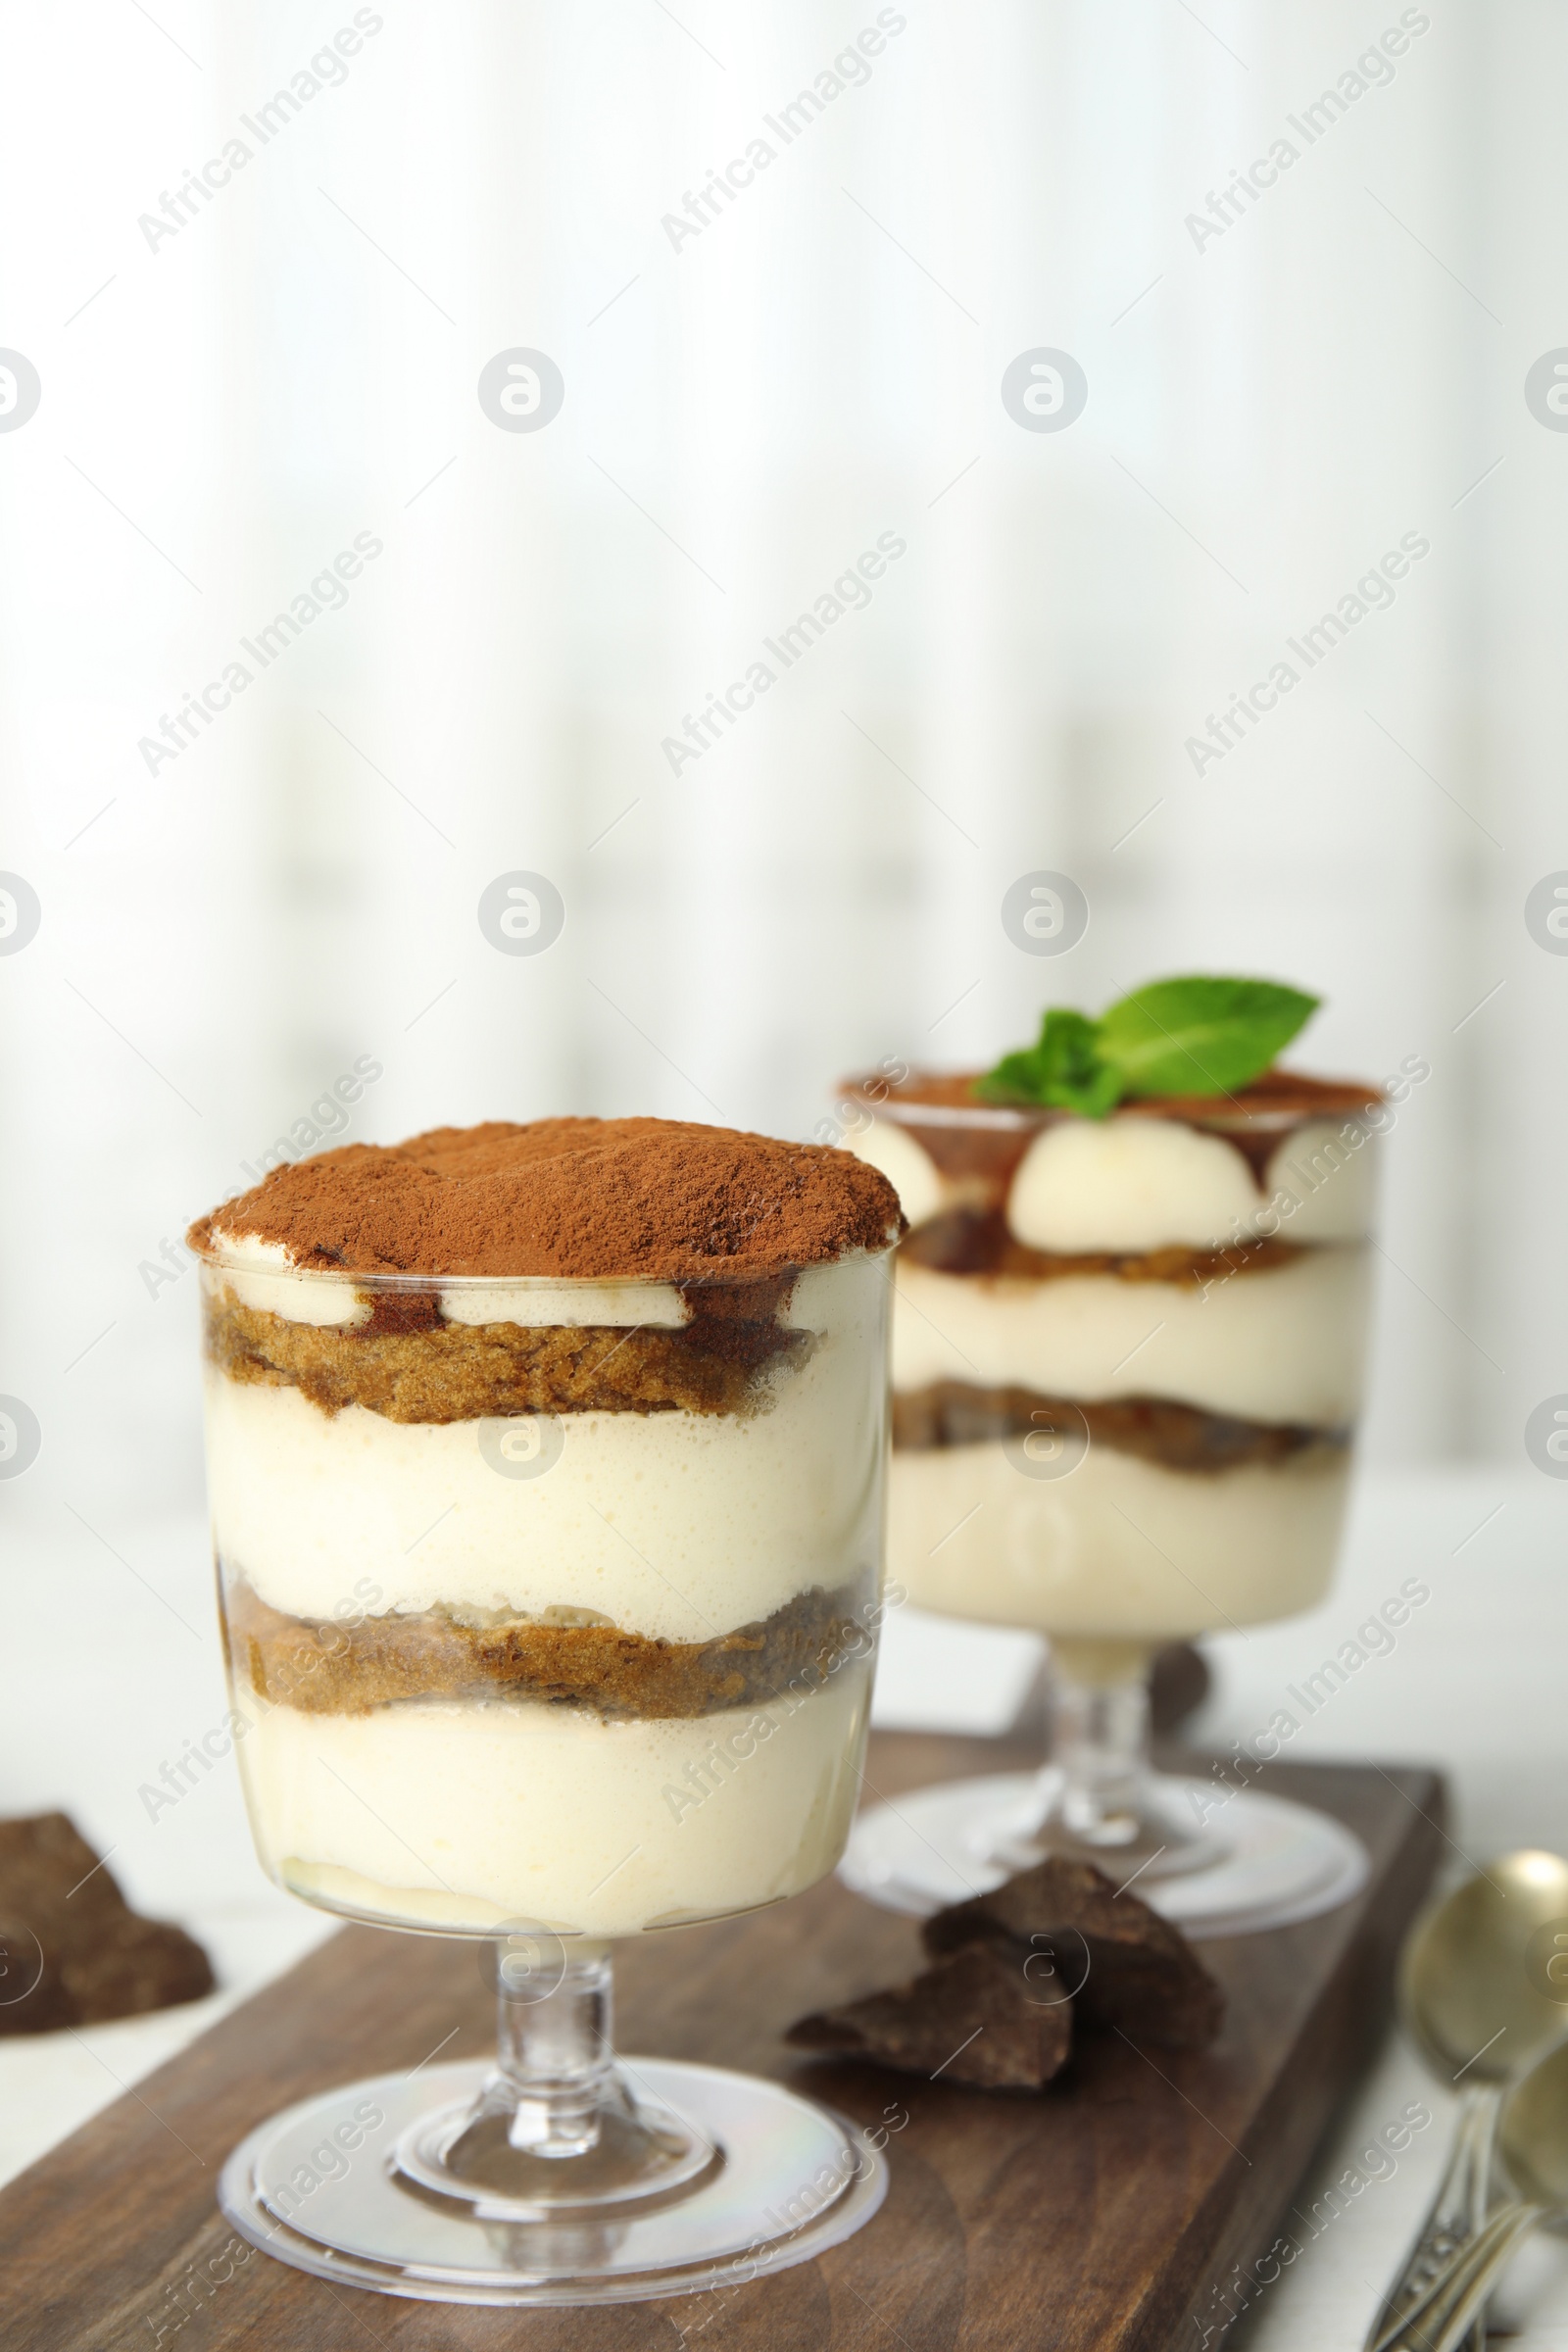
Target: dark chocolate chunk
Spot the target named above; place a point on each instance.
(71, 1951)
(1123, 1963)
(973, 2018)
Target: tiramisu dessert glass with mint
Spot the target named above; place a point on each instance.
(1128, 1341)
(546, 1468)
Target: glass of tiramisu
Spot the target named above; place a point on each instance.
(546, 1469)
(1128, 1341)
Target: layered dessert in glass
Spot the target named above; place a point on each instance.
(546, 1470)
(1127, 1365)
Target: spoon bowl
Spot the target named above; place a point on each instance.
(1469, 1998)
(1532, 2140)
(1476, 1998)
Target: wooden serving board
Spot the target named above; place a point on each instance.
(1104, 2213)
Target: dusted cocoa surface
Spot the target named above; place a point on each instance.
(332, 1668)
(977, 1240)
(650, 1200)
(1179, 1437)
(441, 1372)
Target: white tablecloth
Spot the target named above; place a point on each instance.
(112, 1668)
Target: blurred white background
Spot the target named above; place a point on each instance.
(237, 386)
(226, 406)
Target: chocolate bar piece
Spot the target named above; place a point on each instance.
(1123, 1965)
(71, 1951)
(973, 2018)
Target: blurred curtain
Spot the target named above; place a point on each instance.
(773, 366)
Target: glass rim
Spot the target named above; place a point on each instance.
(1351, 1100)
(226, 1261)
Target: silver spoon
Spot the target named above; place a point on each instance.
(1532, 2140)
(1469, 2003)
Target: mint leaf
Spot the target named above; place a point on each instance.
(1016, 1078)
(1198, 1036)
(1074, 1076)
(1064, 1070)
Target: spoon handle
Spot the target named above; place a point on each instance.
(1434, 2306)
(1448, 2321)
(1457, 2210)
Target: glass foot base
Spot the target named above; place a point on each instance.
(641, 2151)
(1155, 1838)
(761, 2179)
(1275, 1862)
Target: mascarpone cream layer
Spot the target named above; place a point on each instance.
(265, 1276)
(677, 1524)
(466, 1816)
(922, 1190)
(1135, 1183)
(1119, 1548)
(1282, 1346)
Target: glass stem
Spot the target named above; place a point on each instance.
(1100, 1739)
(555, 2055)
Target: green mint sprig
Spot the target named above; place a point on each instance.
(1195, 1036)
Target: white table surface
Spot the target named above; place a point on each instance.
(111, 1666)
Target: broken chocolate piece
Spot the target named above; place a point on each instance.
(71, 1951)
(970, 2018)
(1124, 1965)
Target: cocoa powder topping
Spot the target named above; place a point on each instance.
(648, 1200)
